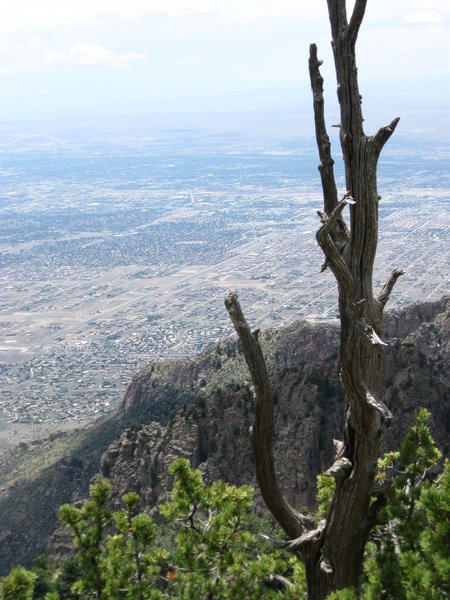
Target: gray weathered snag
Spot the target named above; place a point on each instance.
(332, 550)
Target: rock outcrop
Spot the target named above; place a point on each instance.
(213, 429)
(209, 400)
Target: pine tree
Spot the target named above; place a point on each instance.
(18, 585)
(410, 546)
(88, 525)
(217, 554)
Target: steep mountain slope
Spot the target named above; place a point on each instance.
(211, 423)
(303, 360)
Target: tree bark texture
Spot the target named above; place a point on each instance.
(333, 549)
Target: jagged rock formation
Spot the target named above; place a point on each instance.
(210, 425)
(213, 431)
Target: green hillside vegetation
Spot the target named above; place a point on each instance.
(212, 544)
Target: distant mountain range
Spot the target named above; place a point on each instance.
(201, 407)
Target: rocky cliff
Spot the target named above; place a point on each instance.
(213, 429)
(210, 404)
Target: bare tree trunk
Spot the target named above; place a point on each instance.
(333, 549)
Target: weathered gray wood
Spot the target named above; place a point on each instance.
(339, 233)
(333, 550)
(262, 432)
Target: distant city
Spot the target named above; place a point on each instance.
(114, 255)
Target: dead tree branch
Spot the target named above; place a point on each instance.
(384, 133)
(339, 233)
(323, 141)
(356, 19)
(333, 550)
(332, 254)
(338, 16)
(386, 290)
(293, 523)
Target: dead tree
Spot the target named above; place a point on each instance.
(332, 550)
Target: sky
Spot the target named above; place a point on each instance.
(131, 55)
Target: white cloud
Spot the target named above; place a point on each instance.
(423, 18)
(20, 56)
(194, 58)
(404, 53)
(29, 15)
(92, 54)
(34, 55)
(207, 45)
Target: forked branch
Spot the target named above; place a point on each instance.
(332, 254)
(293, 523)
(356, 20)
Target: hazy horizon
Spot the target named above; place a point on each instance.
(210, 57)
